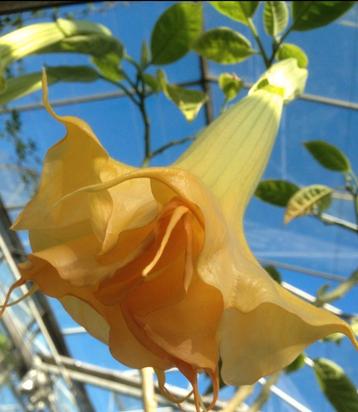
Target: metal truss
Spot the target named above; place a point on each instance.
(32, 369)
(127, 384)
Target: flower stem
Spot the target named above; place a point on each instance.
(254, 32)
(143, 111)
(277, 44)
(146, 123)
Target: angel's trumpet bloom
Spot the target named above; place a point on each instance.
(154, 261)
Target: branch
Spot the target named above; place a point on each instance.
(258, 42)
(143, 111)
(146, 122)
(170, 144)
(129, 93)
(277, 45)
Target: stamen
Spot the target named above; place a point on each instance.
(30, 292)
(15, 285)
(213, 375)
(165, 392)
(174, 220)
(155, 173)
(188, 271)
(197, 398)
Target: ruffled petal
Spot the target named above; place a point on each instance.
(108, 323)
(188, 329)
(79, 160)
(268, 338)
(154, 262)
(250, 346)
(75, 261)
(86, 316)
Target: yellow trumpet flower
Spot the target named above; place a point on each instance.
(154, 262)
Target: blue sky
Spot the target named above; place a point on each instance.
(333, 56)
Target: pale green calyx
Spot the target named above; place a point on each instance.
(284, 78)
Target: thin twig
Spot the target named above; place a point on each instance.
(205, 85)
(254, 32)
(146, 122)
(143, 111)
(120, 86)
(170, 144)
(277, 45)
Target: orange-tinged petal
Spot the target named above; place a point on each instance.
(154, 262)
(75, 261)
(188, 329)
(268, 338)
(76, 161)
(108, 323)
(252, 300)
(89, 318)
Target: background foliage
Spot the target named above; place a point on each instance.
(177, 32)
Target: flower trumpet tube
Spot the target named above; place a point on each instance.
(154, 262)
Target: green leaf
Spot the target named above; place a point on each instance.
(96, 45)
(312, 199)
(71, 27)
(326, 296)
(108, 66)
(23, 85)
(335, 338)
(144, 55)
(47, 37)
(274, 273)
(308, 15)
(162, 80)
(338, 337)
(72, 74)
(189, 102)
(297, 364)
(224, 46)
(328, 155)
(4, 343)
(276, 192)
(336, 385)
(275, 17)
(152, 82)
(287, 50)
(175, 32)
(230, 85)
(236, 10)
